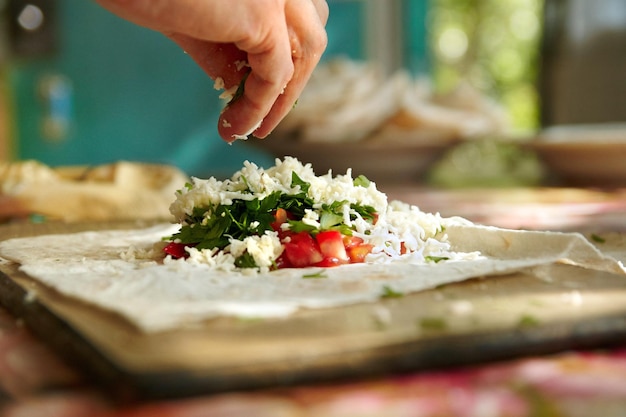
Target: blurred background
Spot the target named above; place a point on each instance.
(81, 86)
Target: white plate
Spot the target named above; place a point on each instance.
(585, 154)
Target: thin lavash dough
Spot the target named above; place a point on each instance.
(160, 297)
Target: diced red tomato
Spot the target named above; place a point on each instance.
(357, 253)
(281, 217)
(327, 249)
(403, 249)
(349, 241)
(282, 261)
(176, 250)
(302, 250)
(356, 249)
(330, 262)
(332, 246)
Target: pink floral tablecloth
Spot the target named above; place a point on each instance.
(34, 383)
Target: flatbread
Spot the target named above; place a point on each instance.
(157, 297)
(119, 191)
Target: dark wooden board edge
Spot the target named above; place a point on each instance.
(64, 340)
(418, 355)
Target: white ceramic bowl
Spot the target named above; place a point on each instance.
(592, 155)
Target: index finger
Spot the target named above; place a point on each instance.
(271, 68)
(308, 42)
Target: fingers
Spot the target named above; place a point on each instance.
(308, 42)
(261, 41)
(271, 70)
(281, 55)
(229, 65)
(280, 40)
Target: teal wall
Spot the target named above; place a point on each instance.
(136, 96)
(416, 53)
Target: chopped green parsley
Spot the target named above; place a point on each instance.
(315, 275)
(435, 259)
(389, 292)
(528, 321)
(597, 238)
(432, 323)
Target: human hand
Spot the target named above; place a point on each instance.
(279, 42)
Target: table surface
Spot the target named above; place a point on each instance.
(35, 382)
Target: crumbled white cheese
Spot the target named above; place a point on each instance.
(228, 94)
(30, 296)
(264, 249)
(382, 315)
(311, 218)
(461, 307)
(239, 64)
(219, 84)
(402, 232)
(249, 132)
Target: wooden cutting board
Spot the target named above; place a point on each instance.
(547, 310)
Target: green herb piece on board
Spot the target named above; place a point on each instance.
(528, 321)
(432, 323)
(315, 275)
(598, 238)
(389, 292)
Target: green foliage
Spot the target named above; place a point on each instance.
(492, 45)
